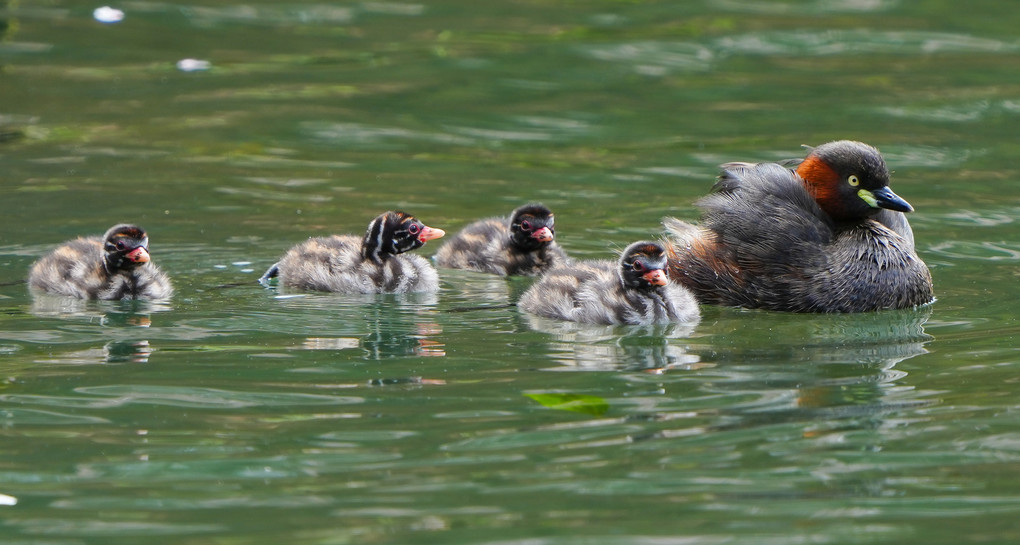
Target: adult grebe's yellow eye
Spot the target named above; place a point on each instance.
(853, 180)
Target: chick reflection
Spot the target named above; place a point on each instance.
(391, 334)
(599, 347)
(128, 313)
(389, 339)
(127, 351)
(111, 352)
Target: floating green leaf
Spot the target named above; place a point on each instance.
(579, 403)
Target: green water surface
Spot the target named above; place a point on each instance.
(237, 414)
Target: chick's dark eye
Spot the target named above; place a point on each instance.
(638, 266)
(120, 245)
(413, 229)
(526, 225)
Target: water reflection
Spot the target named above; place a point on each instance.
(790, 385)
(875, 337)
(132, 313)
(600, 347)
(122, 316)
(840, 365)
(379, 326)
(389, 340)
(473, 287)
(111, 352)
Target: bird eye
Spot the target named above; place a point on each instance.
(121, 245)
(526, 225)
(853, 180)
(413, 229)
(638, 266)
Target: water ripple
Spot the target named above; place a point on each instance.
(34, 417)
(839, 42)
(502, 134)
(41, 526)
(360, 436)
(978, 251)
(586, 433)
(662, 57)
(928, 156)
(801, 8)
(393, 8)
(955, 113)
(176, 396)
(107, 503)
(8, 48)
(283, 162)
(988, 217)
(283, 196)
(655, 58)
(353, 134)
(631, 539)
(526, 129)
(320, 14)
(219, 469)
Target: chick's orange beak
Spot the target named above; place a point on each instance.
(543, 235)
(430, 233)
(656, 277)
(138, 255)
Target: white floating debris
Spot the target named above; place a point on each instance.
(329, 343)
(106, 14)
(8, 500)
(193, 65)
(241, 263)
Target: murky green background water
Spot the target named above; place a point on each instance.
(232, 415)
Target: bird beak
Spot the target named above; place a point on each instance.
(883, 197)
(656, 277)
(138, 255)
(543, 235)
(430, 233)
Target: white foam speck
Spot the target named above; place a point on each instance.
(106, 14)
(193, 65)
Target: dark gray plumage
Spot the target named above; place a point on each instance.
(374, 263)
(828, 237)
(115, 266)
(522, 244)
(634, 290)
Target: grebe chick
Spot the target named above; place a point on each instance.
(114, 266)
(522, 244)
(374, 263)
(634, 290)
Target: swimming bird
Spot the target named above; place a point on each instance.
(634, 290)
(829, 236)
(522, 244)
(374, 263)
(114, 266)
